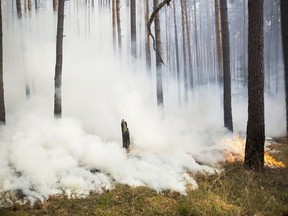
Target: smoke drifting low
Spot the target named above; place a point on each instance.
(82, 152)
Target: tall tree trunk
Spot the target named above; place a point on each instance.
(55, 5)
(196, 43)
(18, 7)
(2, 104)
(177, 51)
(254, 149)
(184, 51)
(59, 60)
(284, 25)
(148, 47)
(269, 45)
(29, 5)
(118, 24)
(36, 4)
(133, 27)
(114, 23)
(219, 40)
(226, 66)
(187, 26)
(159, 87)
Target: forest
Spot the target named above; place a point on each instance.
(148, 107)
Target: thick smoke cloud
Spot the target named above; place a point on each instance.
(82, 152)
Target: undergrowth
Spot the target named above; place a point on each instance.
(235, 192)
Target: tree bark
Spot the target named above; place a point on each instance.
(284, 25)
(59, 60)
(118, 24)
(55, 5)
(133, 27)
(29, 5)
(159, 87)
(184, 51)
(187, 26)
(114, 23)
(2, 104)
(254, 149)
(177, 51)
(197, 45)
(226, 66)
(36, 4)
(148, 48)
(219, 41)
(125, 135)
(18, 7)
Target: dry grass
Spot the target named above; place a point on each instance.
(236, 192)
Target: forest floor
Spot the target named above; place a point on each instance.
(236, 191)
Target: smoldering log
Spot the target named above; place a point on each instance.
(125, 135)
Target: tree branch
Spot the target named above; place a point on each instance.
(149, 23)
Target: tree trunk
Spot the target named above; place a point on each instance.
(133, 27)
(148, 49)
(114, 23)
(197, 45)
(177, 51)
(2, 104)
(226, 66)
(184, 51)
(219, 41)
(18, 6)
(59, 60)
(187, 26)
(118, 24)
(254, 150)
(125, 135)
(36, 4)
(284, 25)
(55, 5)
(29, 5)
(159, 87)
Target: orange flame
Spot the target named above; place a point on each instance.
(237, 149)
(272, 162)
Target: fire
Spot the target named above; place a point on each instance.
(271, 162)
(236, 153)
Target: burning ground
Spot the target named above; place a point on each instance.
(235, 191)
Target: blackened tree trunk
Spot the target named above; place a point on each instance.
(133, 27)
(254, 149)
(125, 135)
(18, 7)
(2, 105)
(59, 60)
(219, 41)
(284, 24)
(159, 87)
(226, 66)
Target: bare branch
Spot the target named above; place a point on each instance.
(149, 23)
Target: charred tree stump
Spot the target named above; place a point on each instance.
(125, 135)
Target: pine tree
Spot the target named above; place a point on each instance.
(59, 60)
(2, 105)
(254, 149)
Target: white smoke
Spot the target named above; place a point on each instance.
(82, 152)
